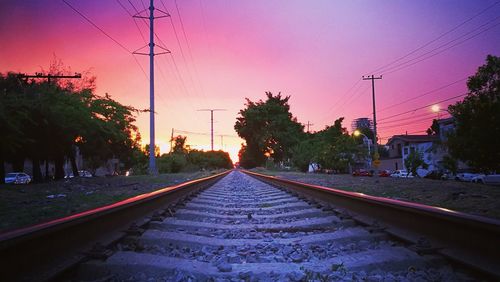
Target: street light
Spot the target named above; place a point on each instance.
(365, 140)
(435, 108)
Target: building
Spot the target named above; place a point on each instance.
(400, 146)
(362, 123)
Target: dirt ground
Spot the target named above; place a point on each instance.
(24, 205)
(472, 198)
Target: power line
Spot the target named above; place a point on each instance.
(426, 106)
(437, 38)
(422, 95)
(106, 34)
(189, 47)
(132, 16)
(408, 118)
(176, 69)
(355, 95)
(336, 105)
(405, 64)
(418, 121)
(96, 26)
(204, 134)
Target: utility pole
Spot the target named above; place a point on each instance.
(48, 76)
(172, 141)
(151, 54)
(211, 124)
(376, 161)
(309, 124)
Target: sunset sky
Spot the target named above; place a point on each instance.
(225, 51)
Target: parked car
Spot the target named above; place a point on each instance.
(492, 179)
(399, 173)
(467, 176)
(362, 172)
(384, 173)
(17, 178)
(478, 179)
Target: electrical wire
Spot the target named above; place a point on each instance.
(189, 47)
(106, 34)
(405, 64)
(437, 38)
(423, 107)
(422, 95)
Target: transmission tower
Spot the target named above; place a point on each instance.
(151, 54)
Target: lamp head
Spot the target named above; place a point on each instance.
(435, 108)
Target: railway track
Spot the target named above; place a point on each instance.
(242, 229)
(250, 227)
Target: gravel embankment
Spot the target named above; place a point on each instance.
(24, 205)
(472, 198)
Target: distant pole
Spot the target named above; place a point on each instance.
(172, 141)
(152, 158)
(211, 124)
(222, 142)
(376, 161)
(212, 130)
(308, 124)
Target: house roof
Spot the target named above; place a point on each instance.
(413, 138)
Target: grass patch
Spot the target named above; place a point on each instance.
(472, 198)
(25, 205)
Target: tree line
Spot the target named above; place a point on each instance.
(47, 121)
(183, 158)
(273, 135)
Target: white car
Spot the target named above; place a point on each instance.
(17, 178)
(401, 174)
(492, 179)
(467, 176)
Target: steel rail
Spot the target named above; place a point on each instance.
(44, 251)
(469, 240)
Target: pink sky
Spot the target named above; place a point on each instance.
(314, 51)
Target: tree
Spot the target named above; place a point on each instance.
(450, 164)
(331, 148)
(414, 160)
(477, 119)
(14, 114)
(269, 129)
(180, 144)
(45, 121)
(434, 128)
(304, 153)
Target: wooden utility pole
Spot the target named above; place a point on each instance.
(376, 161)
(309, 124)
